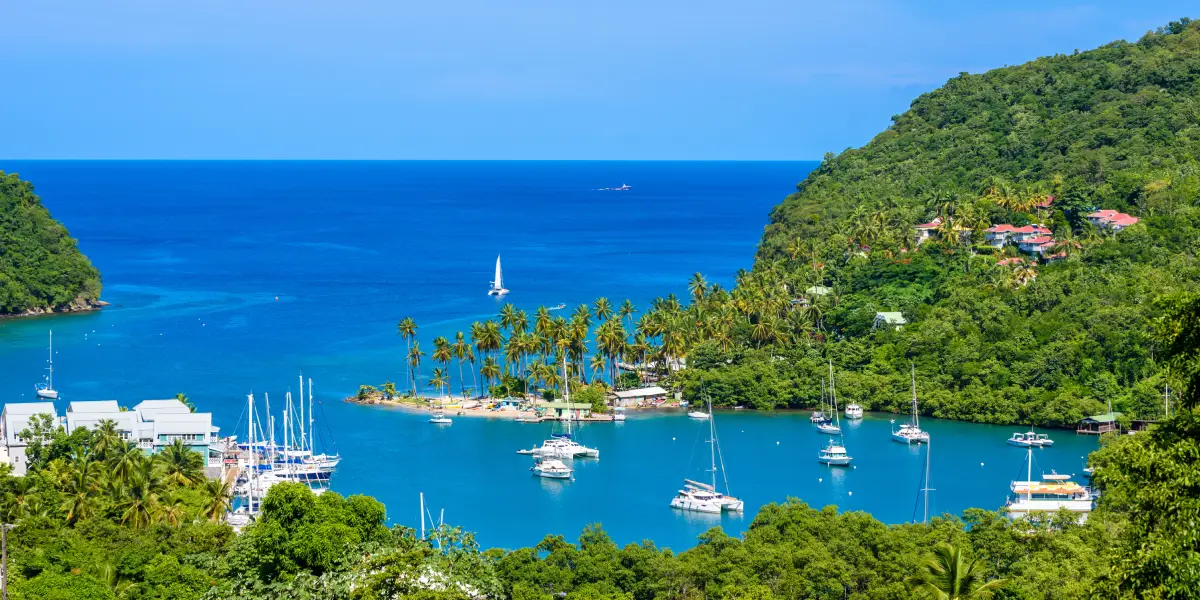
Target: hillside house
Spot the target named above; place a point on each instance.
(894, 320)
(997, 236)
(1111, 220)
(1038, 245)
(925, 230)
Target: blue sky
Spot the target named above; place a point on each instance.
(520, 79)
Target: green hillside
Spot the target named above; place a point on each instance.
(41, 268)
(993, 338)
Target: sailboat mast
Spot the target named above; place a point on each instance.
(303, 432)
(927, 448)
(422, 515)
(1029, 474)
(312, 447)
(712, 445)
(51, 378)
(916, 417)
(252, 476)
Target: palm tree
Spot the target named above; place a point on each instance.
(442, 352)
(603, 310)
(508, 316)
(184, 399)
(140, 501)
(389, 390)
(217, 495)
(490, 371)
(171, 509)
(414, 362)
(81, 491)
(697, 286)
(440, 380)
(17, 498)
(407, 328)
(946, 575)
(180, 465)
(460, 350)
(626, 311)
(124, 461)
(105, 438)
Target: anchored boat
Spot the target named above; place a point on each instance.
(703, 497)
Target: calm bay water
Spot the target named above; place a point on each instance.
(230, 277)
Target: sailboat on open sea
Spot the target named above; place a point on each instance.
(498, 282)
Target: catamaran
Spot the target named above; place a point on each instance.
(46, 389)
(910, 433)
(563, 445)
(498, 282)
(833, 427)
(1053, 493)
(703, 497)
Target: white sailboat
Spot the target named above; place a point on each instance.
(498, 282)
(46, 389)
(703, 497)
(910, 433)
(833, 427)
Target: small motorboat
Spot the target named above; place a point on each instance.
(854, 411)
(527, 451)
(551, 468)
(1044, 440)
(695, 414)
(618, 413)
(440, 419)
(1054, 476)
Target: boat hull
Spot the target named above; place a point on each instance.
(48, 394)
(829, 429)
(552, 474)
(903, 439)
(835, 461)
(696, 506)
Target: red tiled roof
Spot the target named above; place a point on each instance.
(1123, 220)
(1001, 228)
(1016, 260)
(1103, 214)
(930, 225)
(1046, 203)
(1039, 240)
(1031, 229)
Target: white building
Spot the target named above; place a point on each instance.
(640, 396)
(894, 320)
(13, 420)
(152, 425)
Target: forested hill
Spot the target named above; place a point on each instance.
(41, 268)
(1045, 324)
(1118, 127)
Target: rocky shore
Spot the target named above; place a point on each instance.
(76, 306)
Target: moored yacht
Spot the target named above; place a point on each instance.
(834, 455)
(854, 411)
(910, 433)
(696, 414)
(831, 427)
(440, 418)
(45, 390)
(703, 497)
(817, 417)
(1032, 498)
(551, 468)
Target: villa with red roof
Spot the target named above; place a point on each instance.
(1111, 220)
(925, 230)
(999, 235)
(1036, 245)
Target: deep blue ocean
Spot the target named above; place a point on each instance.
(232, 277)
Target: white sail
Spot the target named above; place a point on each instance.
(499, 281)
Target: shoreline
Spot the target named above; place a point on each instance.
(75, 307)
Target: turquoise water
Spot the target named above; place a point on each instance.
(194, 256)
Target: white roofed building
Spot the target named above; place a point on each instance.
(13, 420)
(640, 396)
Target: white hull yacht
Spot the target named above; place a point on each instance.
(854, 411)
(1050, 495)
(551, 468)
(45, 390)
(910, 433)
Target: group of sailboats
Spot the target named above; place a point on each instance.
(263, 463)
(834, 453)
(704, 497)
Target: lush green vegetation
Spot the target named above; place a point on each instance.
(40, 266)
